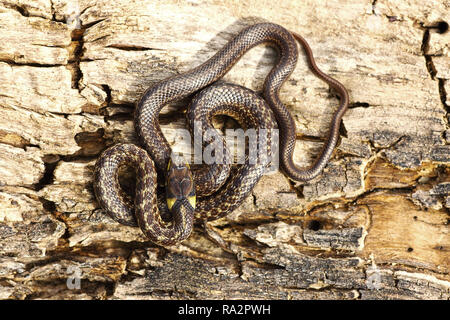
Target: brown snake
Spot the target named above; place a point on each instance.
(149, 211)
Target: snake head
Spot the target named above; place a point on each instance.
(179, 185)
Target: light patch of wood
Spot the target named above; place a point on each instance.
(400, 233)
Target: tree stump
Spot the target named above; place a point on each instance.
(374, 225)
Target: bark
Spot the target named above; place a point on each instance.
(374, 225)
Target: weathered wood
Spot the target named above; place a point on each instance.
(374, 225)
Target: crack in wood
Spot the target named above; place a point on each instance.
(441, 27)
(30, 64)
(17, 8)
(132, 47)
(47, 177)
(78, 221)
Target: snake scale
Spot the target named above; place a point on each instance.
(214, 190)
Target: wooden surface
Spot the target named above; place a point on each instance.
(374, 225)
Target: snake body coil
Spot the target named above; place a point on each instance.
(242, 104)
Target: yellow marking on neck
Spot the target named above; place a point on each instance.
(192, 200)
(170, 202)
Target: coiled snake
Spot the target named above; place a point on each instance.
(149, 210)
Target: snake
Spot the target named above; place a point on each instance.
(169, 195)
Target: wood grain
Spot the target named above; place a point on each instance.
(374, 225)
